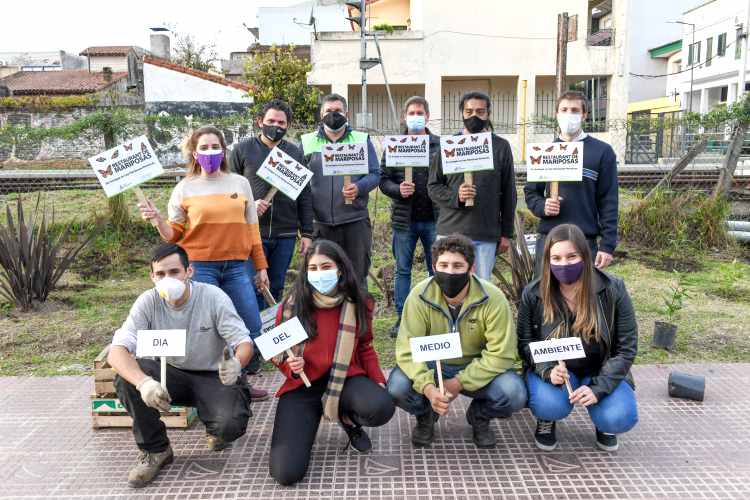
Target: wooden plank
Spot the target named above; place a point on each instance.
(104, 374)
(101, 360)
(181, 421)
(112, 406)
(106, 387)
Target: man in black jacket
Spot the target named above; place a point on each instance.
(489, 222)
(281, 219)
(413, 213)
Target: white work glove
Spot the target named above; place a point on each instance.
(153, 394)
(229, 368)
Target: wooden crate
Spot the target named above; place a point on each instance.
(104, 375)
(109, 412)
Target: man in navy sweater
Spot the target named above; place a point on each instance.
(590, 204)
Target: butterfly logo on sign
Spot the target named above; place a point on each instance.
(105, 173)
(486, 141)
(128, 147)
(392, 149)
(575, 151)
(328, 157)
(115, 154)
(340, 149)
(536, 161)
(563, 147)
(450, 153)
(352, 146)
(449, 141)
(549, 149)
(536, 148)
(101, 158)
(414, 138)
(143, 147)
(403, 140)
(272, 162)
(462, 140)
(474, 138)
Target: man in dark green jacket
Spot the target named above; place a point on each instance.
(455, 300)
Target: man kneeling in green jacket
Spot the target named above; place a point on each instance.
(456, 300)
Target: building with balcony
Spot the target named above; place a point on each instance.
(440, 50)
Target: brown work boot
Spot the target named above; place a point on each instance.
(148, 466)
(215, 443)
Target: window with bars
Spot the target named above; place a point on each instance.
(721, 45)
(694, 53)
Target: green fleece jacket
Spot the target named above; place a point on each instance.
(485, 323)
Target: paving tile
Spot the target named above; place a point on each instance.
(680, 449)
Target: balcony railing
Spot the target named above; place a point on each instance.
(601, 38)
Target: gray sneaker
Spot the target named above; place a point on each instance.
(148, 466)
(215, 443)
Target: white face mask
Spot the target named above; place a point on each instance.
(170, 289)
(570, 123)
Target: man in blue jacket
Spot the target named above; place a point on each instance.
(348, 225)
(590, 204)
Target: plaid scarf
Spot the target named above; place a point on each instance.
(344, 348)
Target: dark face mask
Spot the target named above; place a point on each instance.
(451, 284)
(568, 273)
(273, 132)
(475, 124)
(334, 121)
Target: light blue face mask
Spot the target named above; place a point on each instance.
(324, 281)
(415, 123)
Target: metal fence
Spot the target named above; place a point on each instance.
(502, 113)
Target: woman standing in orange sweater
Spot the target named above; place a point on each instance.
(212, 216)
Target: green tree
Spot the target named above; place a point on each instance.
(192, 54)
(279, 73)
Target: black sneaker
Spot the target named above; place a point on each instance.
(393, 332)
(358, 438)
(544, 436)
(481, 433)
(424, 431)
(606, 442)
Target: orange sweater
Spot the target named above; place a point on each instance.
(214, 218)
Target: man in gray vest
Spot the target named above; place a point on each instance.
(334, 219)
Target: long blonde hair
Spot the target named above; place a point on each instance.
(191, 145)
(586, 323)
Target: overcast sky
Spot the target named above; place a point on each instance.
(73, 25)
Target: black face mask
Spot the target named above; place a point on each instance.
(475, 124)
(451, 284)
(334, 121)
(273, 132)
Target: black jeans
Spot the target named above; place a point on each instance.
(224, 409)
(298, 417)
(356, 240)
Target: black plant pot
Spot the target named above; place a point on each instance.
(664, 334)
(684, 385)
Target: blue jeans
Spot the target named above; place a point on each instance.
(231, 276)
(505, 394)
(614, 414)
(278, 252)
(404, 244)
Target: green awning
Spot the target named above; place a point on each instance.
(665, 50)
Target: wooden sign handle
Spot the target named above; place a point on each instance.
(409, 175)
(567, 382)
(554, 190)
(439, 369)
(267, 296)
(270, 194)
(347, 181)
(469, 179)
(142, 199)
(164, 372)
(301, 375)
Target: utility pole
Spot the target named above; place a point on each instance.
(562, 55)
(743, 68)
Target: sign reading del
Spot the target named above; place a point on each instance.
(281, 339)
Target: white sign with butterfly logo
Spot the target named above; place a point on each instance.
(345, 159)
(554, 161)
(126, 166)
(284, 173)
(466, 153)
(407, 150)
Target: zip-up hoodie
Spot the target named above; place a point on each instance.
(285, 216)
(485, 323)
(328, 200)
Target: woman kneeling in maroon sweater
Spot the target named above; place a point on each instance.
(348, 385)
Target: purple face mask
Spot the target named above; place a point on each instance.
(210, 161)
(568, 273)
